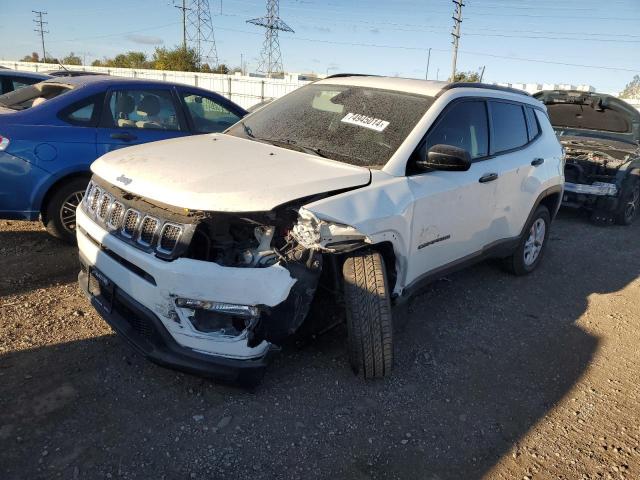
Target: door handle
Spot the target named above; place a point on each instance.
(488, 177)
(126, 136)
(536, 162)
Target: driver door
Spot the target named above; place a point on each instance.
(452, 211)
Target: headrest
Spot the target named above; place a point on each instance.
(38, 101)
(149, 105)
(125, 104)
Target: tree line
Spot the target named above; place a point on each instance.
(176, 59)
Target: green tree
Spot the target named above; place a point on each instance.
(124, 60)
(72, 59)
(222, 68)
(179, 59)
(467, 77)
(34, 57)
(632, 90)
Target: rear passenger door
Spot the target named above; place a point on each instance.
(514, 151)
(139, 115)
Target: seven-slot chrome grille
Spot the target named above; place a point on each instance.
(144, 230)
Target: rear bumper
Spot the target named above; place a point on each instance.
(147, 334)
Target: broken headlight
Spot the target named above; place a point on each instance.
(314, 233)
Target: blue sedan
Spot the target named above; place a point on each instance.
(50, 133)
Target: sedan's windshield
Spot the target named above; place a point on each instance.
(356, 125)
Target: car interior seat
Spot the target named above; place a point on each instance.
(148, 107)
(124, 106)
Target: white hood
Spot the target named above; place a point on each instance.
(223, 173)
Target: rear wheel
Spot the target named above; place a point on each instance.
(60, 212)
(529, 253)
(369, 321)
(629, 203)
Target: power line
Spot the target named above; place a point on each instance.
(40, 29)
(425, 49)
(457, 21)
(270, 56)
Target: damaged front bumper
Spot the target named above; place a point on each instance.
(600, 197)
(596, 188)
(148, 297)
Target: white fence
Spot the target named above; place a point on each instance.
(241, 89)
(245, 90)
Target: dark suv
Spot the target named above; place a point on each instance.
(601, 136)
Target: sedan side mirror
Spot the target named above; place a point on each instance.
(447, 158)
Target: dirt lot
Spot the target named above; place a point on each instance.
(495, 377)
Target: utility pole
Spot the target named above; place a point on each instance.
(457, 19)
(40, 29)
(184, 22)
(426, 77)
(482, 74)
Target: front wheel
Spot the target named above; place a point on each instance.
(629, 203)
(59, 214)
(369, 321)
(528, 254)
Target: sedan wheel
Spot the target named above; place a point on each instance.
(68, 211)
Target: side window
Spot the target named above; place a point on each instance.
(148, 109)
(532, 123)
(509, 127)
(19, 82)
(83, 113)
(207, 115)
(465, 126)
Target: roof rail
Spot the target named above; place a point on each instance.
(480, 85)
(339, 75)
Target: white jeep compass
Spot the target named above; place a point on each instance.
(207, 251)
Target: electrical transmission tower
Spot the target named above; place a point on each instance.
(457, 20)
(197, 31)
(40, 29)
(270, 56)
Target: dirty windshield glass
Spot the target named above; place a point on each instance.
(356, 125)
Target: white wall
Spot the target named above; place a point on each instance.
(242, 89)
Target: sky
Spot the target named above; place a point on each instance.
(575, 42)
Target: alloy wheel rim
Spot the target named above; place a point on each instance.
(631, 208)
(68, 210)
(535, 241)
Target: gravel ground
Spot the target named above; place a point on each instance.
(495, 377)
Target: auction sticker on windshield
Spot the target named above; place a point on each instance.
(366, 122)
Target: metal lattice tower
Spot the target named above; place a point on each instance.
(198, 31)
(270, 56)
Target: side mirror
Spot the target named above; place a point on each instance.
(447, 158)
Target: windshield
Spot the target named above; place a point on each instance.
(356, 125)
(33, 95)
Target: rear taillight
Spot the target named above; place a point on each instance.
(4, 143)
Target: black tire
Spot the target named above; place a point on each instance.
(518, 263)
(369, 320)
(629, 202)
(57, 214)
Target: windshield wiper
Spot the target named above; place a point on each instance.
(247, 129)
